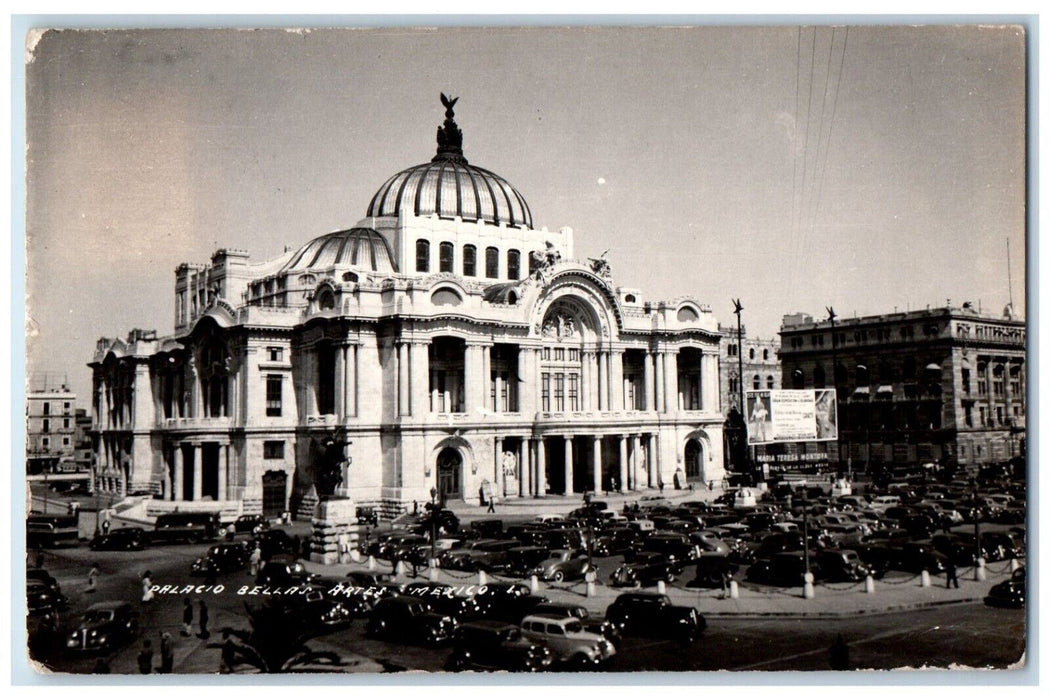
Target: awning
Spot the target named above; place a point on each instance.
(933, 367)
(861, 390)
(884, 389)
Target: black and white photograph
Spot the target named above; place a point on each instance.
(385, 350)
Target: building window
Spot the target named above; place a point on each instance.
(273, 449)
(765, 354)
(422, 256)
(574, 392)
(65, 407)
(65, 423)
(969, 416)
(46, 442)
(756, 383)
(446, 258)
(751, 354)
(998, 382)
(492, 263)
(275, 354)
(546, 353)
(966, 380)
(545, 391)
(47, 426)
(470, 261)
(65, 442)
(731, 350)
(514, 264)
(535, 258)
(982, 380)
(1015, 381)
(47, 408)
(559, 392)
(732, 385)
(574, 355)
(274, 386)
(769, 382)
(559, 354)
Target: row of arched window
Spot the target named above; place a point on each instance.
(469, 264)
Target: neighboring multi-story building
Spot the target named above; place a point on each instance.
(440, 343)
(761, 364)
(84, 451)
(944, 384)
(50, 430)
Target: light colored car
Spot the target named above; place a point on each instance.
(563, 564)
(881, 503)
(568, 640)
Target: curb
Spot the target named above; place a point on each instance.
(901, 607)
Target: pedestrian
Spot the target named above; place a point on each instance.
(415, 565)
(92, 578)
(344, 549)
(838, 654)
(187, 617)
(202, 620)
(711, 485)
(661, 485)
(415, 507)
(228, 659)
(211, 572)
(305, 554)
(255, 560)
(614, 484)
(105, 526)
(951, 576)
(147, 586)
(146, 658)
(167, 653)
(394, 560)
(39, 558)
(492, 504)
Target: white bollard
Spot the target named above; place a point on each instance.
(433, 575)
(979, 573)
(734, 590)
(925, 579)
(483, 578)
(399, 569)
(592, 589)
(534, 583)
(661, 587)
(808, 591)
(371, 563)
(1014, 565)
(869, 584)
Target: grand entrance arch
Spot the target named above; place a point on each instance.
(450, 473)
(694, 460)
(274, 488)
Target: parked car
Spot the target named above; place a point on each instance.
(571, 644)
(411, 620)
(283, 571)
(592, 624)
(489, 529)
(251, 523)
(1008, 594)
(490, 645)
(564, 565)
(675, 546)
(274, 542)
(509, 602)
(42, 599)
(645, 569)
(185, 527)
(785, 569)
(843, 565)
(366, 515)
(653, 615)
(104, 626)
(222, 559)
(122, 539)
(446, 522)
(616, 540)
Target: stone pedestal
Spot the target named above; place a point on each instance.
(332, 531)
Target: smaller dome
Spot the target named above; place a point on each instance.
(358, 247)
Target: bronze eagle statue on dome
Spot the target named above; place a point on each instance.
(449, 103)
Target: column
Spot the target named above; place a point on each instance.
(500, 480)
(636, 445)
(176, 459)
(541, 467)
(497, 403)
(603, 381)
(623, 462)
(670, 382)
(568, 464)
(403, 407)
(197, 457)
(527, 372)
(585, 383)
(486, 374)
(311, 382)
(419, 382)
(650, 460)
(523, 467)
(243, 377)
(616, 381)
(528, 467)
(597, 463)
(340, 378)
(659, 386)
(350, 381)
(648, 384)
(470, 379)
(224, 458)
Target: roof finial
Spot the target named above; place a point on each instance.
(449, 137)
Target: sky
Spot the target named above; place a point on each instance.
(867, 168)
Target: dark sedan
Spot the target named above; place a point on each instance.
(222, 559)
(410, 620)
(104, 626)
(123, 539)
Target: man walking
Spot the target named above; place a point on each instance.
(145, 658)
(951, 576)
(187, 618)
(202, 620)
(167, 653)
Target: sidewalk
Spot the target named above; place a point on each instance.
(561, 504)
(892, 594)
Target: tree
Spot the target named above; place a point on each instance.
(278, 637)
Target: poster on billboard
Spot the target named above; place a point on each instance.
(791, 415)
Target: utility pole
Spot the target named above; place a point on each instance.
(835, 383)
(737, 308)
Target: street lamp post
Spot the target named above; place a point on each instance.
(433, 525)
(976, 521)
(835, 383)
(737, 308)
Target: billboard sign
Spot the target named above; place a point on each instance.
(791, 415)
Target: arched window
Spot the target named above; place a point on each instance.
(687, 314)
(470, 261)
(326, 300)
(446, 257)
(770, 382)
(765, 354)
(756, 383)
(422, 256)
(514, 264)
(492, 263)
(751, 354)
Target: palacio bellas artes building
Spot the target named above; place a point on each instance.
(442, 342)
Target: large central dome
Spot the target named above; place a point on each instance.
(449, 186)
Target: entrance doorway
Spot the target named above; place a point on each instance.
(694, 458)
(449, 474)
(274, 484)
